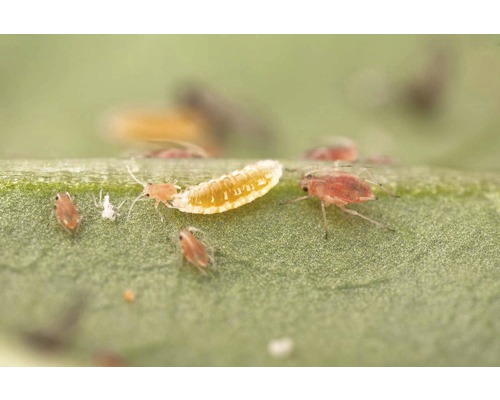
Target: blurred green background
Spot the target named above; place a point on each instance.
(55, 92)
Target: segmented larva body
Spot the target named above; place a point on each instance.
(230, 191)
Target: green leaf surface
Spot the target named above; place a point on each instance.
(426, 294)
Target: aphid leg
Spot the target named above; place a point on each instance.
(95, 200)
(352, 212)
(294, 200)
(176, 186)
(121, 204)
(193, 229)
(133, 203)
(325, 224)
(158, 211)
(211, 259)
(374, 181)
(201, 270)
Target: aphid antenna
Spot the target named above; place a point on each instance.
(374, 181)
(177, 257)
(325, 224)
(100, 199)
(121, 204)
(293, 200)
(380, 224)
(211, 258)
(134, 178)
(133, 204)
(193, 229)
(174, 183)
(328, 169)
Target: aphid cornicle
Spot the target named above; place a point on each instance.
(194, 251)
(66, 212)
(340, 189)
(230, 191)
(161, 192)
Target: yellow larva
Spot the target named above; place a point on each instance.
(230, 191)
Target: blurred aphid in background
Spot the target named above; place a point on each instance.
(340, 149)
(425, 91)
(344, 149)
(201, 119)
(194, 251)
(179, 150)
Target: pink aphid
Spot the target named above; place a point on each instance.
(177, 149)
(345, 151)
(340, 189)
(66, 212)
(194, 251)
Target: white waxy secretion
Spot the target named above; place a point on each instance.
(108, 210)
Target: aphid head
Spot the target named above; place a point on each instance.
(62, 196)
(305, 182)
(147, 190)
(183, 233)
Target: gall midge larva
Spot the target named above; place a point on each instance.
(230, 191)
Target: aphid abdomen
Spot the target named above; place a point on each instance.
(194, 251)
(230, 191)
(349, 188)
(196, 254)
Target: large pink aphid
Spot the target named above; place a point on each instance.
(340, 189)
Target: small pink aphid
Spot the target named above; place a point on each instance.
(66, 212)
(340, 189)
(161, 192)
(194, 251)
(346, 150)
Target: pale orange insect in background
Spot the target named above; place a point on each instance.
(159, 125)
(66, 212)
(340, 189)
(194, 251)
